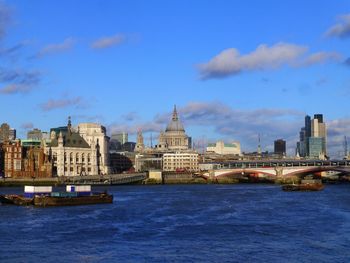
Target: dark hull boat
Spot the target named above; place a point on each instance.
(15, 200)
(101, 198)
(43, 196)
(303, 187)
(307, 184)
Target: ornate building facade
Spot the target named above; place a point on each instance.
(174, 138)
(140, 146)
(81, 152)
(25, 162)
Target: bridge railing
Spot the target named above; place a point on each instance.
(281, 163)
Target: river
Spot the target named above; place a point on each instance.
(184, 223)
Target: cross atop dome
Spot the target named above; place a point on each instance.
(175, 117)
(175, 124)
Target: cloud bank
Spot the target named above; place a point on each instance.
(230, 62)
(231, 124)
(227, 122)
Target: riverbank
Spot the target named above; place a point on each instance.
(144, 180)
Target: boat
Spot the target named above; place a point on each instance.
(94, 198)
(42, 196)
(305, 185)
(15, 200)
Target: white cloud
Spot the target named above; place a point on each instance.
(27, 126)
(341, 29)
(107, 42)
(321, 57)
(337, 129)
(67, 44)
(18, 81)
(231, 62)
(15, 88)
(52, 104)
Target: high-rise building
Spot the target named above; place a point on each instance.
(120, 137)
(319, 117)
(313, 138)
(307, 127)
(315, 145)
(280, 147)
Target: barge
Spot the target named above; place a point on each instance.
(43, 196)
(94, 198)
(305, 185)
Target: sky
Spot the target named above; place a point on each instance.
(234, 69)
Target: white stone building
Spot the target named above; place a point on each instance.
(82, 152)
(180, 161)
(224, 148)
(95, 134)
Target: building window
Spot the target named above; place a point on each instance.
(17, 164)
(77, 158)
(82, 158)
(89, 158)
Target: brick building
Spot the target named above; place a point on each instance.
(25, 162)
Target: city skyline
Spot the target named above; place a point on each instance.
(233, 70)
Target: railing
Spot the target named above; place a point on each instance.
(105, 179)
(281, 163)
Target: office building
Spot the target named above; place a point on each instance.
(313, 138)
(180, 161)
(280, 147)
(120, 137)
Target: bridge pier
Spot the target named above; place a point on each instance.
(279, 171)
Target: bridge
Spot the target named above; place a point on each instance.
(277, 168)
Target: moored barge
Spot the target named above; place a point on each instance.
(94, 198)
(43, 196)
(305, 185)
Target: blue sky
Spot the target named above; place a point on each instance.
(234, 68)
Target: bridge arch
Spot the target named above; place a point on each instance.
(245, 172)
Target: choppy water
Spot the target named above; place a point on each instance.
(184, 223)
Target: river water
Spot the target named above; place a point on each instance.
(184, 223)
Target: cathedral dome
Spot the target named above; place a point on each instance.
(175, 124)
